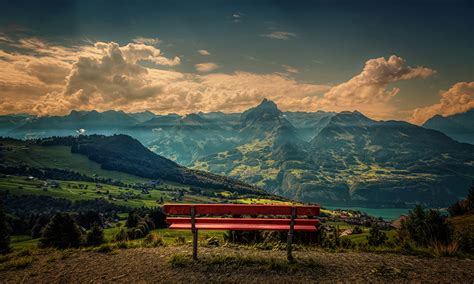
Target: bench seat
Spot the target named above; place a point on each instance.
(243, 224)
(243, 227)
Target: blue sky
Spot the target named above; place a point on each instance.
(315, 42)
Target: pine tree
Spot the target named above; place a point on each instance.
(61, 232)
(4, 231)
(95, 236)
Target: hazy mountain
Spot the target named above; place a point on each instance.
(308, 124)
(12, 121)
(108, 122)
(334, 158)
(353, 160)
(142, 116)
(357, 160)
(458, 126)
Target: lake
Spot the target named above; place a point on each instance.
(385, 213)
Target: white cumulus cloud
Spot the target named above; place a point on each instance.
(459, 98)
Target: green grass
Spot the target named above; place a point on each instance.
(72, 190)
(23, 242)
(59, 157)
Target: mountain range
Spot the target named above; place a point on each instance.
(332, 158)
(458, 126)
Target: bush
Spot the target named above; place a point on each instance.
(4, 231)
(465, 239)
(122, 236)
(376, 237)
(425, 228)
(95, 236)
(104, 248)
(153, 239)
(357, 230)
(179, 240)
(61, 232)
(463, 206)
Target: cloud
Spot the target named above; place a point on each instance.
(206, 67)
(146, 40)
(280, 35)
(370, 87)
(46, 79)
(290, 69)
(237, 17)
(204, 52)
(459, 98)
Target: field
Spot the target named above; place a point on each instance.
(60, 157)
(75, 190)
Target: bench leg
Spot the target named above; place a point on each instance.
(289, 242)
(195, 244)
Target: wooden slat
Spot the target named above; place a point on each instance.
(243, 227)
(268, 221)
(240, 209)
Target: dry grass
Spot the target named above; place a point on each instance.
(451, 249)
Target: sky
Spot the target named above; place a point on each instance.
(403, 60)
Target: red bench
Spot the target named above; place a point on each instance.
(277, 223)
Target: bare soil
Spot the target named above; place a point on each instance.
(217, 265)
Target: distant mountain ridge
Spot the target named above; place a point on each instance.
(335, 158)
(458, 126)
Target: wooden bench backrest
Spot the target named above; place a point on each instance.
(241, 209)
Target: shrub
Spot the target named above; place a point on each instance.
(4, 231)
(153, 239)
(104, 248)
(465, 239)
(357, 230)
(442, 249)
(179, 240)
(347, 243)
(376, 237)
(426, 227)
(95, 236)
(121, 236)
(61, 232)
(463, 206)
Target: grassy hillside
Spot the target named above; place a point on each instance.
(117, 187)
(15, 152)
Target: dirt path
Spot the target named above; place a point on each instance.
(172, 264)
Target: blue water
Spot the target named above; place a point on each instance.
(386, 213)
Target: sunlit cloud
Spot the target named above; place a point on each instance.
(46, 79)
(290, 69)
(146, 40)
(204, 52)
(206, 67)
(459, 98)
(371, 84)
(280, 35)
